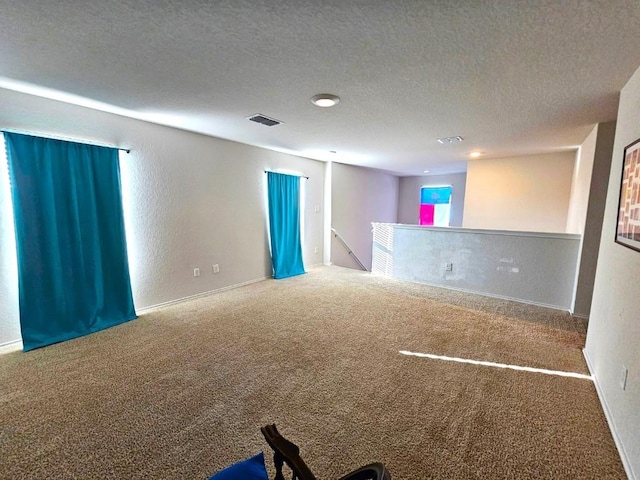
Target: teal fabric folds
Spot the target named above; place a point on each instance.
(284, 225)
(73, 270)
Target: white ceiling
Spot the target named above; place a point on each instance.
(511, 77)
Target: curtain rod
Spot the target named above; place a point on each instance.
(292, 174)
(34, 134)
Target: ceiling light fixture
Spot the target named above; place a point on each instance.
(325, 100)
(475, 154)
(426, 171)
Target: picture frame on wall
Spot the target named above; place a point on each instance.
(628, 226)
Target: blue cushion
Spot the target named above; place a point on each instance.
(250, 469)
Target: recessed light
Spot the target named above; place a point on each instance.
(426, 171)
(325, 100)
(475, 154)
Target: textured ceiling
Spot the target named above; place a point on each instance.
(511, 77)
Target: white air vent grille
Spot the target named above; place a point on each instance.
(450, 140)
(264, 120)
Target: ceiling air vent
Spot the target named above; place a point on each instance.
(450, 140)
(264, 120)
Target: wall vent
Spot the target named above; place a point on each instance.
(264, 120)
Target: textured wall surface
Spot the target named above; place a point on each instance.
(592, 216)
(9, 325)
(613, 339)
(360, 196)
(529, 193)
(581, 183)
(533, 268)
(409, 196)
(191, 201)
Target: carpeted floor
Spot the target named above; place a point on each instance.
(182, 391)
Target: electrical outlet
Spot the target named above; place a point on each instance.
(623, 377)
(448, 267)
(216, 268)
(196, 272)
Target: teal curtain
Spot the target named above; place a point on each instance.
(284, 225)
(73, 271)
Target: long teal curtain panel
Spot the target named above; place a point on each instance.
(284, 224)
(73, 271)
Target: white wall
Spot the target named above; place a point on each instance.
(360, 196)
(190, 201)
(613, 338)
(529, 193)
(9, 324)
(581, 183)
(409, 196)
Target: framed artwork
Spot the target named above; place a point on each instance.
(628, 227)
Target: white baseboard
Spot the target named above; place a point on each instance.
(148, 309)
(609, 417)
(483, 294)
(15, 345)
(12, 346)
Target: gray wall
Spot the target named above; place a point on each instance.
(536, 268)
(360, 196)
(613, 338)
(190, 201)
(409, 196)
(592, 218)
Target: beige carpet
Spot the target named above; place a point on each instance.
(182, 391)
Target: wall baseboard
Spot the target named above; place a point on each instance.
(150, 308)
(11, 346)
(16, 345)
(609, 417)
(483, 294)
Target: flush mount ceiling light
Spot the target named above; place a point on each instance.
(426, 171)
(475, 154)
(325, 100)
(449, 140)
